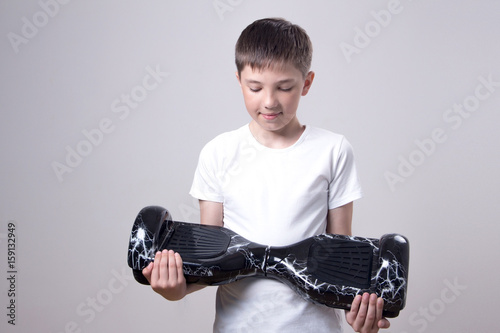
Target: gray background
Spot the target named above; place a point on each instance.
(66, 68)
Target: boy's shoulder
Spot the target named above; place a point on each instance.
(232, 137)
(318, 133)
(236, 133)
(323, 140)
(229, 140)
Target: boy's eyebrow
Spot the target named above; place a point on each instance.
(280, 81)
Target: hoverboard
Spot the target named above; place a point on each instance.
(326, 269)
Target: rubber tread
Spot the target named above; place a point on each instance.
(341, 262)
(196, 242)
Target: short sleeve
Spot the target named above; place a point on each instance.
(206, 183)
(344, 186)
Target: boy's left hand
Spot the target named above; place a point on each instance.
(365, 315)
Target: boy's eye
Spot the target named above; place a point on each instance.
(254, 89)
(285, 89)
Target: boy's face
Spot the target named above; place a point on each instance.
(272, 96)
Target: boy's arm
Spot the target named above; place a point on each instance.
(339, 220)
(366, 310)
(211, 213)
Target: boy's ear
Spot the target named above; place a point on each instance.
(238, 78)
(307, 83)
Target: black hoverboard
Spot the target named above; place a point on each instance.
(327, 269)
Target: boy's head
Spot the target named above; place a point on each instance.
(272, 42)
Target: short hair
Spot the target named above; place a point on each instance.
(271, 42)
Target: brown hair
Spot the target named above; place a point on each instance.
(273, 42)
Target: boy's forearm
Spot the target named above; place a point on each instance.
(339, 220)
(191, 288)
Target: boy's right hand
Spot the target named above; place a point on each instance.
(165, 275)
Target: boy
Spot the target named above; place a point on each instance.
(274, 181)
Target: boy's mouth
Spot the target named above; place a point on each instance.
(270, 116)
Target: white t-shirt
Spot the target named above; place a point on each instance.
(275, 197)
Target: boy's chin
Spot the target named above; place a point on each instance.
(269, 125)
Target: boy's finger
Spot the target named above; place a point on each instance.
(355, 305)
(172, 266)
(180, 271)
(163, 271)
(363, 310)
(381, 322)
(380, 308)
(155, 268)
(371, 319)
(147, 271)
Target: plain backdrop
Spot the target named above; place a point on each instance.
(105, 106)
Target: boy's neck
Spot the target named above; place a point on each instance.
(280, 139)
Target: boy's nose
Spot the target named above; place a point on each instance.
(270, 101)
